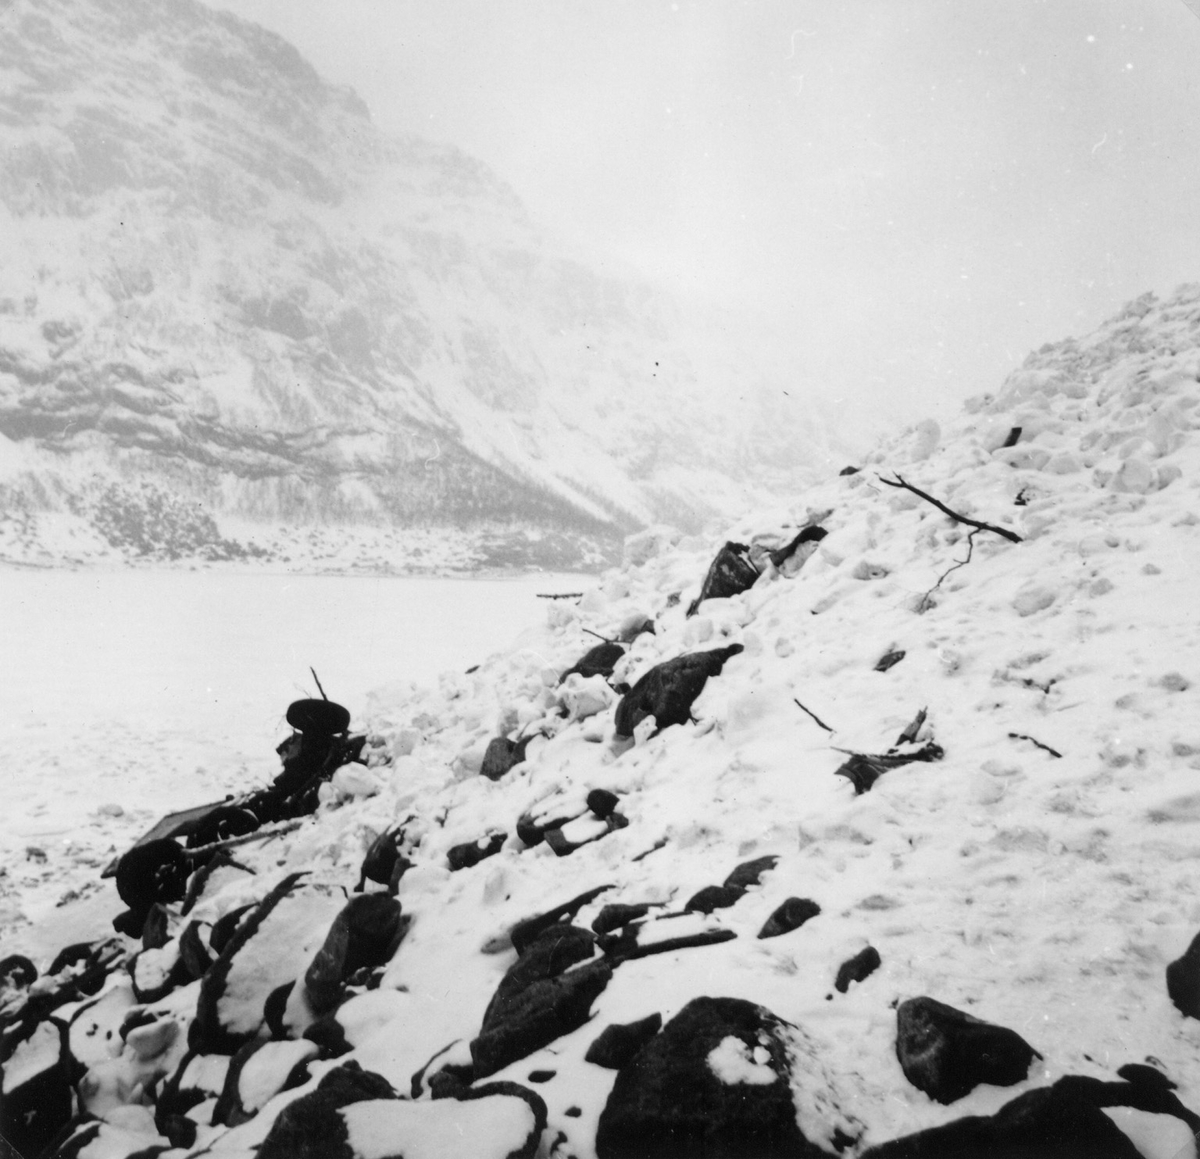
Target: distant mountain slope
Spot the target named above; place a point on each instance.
(221, 285)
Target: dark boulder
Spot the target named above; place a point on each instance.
(540, 1013)
(668, 691)
(791, 915)
(619, 1042)
(526, 931)
(226, 926)
(614, 916)
(712, 897)
(502, 755)
(471, 853)
(365, 934)
(154, 872)
(192, 950)
(809, 535)
(384, 862)
(947, 1053)
(681, 1094)
(1063, 1121)
(154, 928)
(643, 939)
(563, 846)
(597, 661)
(17, 972)
(1183, 981)
(546, 954)
(858, 968)
(729, 573)
(602, 802)
(750, 872)
(310, 1127)
(889, 660)
(39, 1081)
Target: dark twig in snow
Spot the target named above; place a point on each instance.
(598, 636)
(1044, 747)
(560, 595)
(657, 845)
(813, 715)
(318, 680)
(926, 601)
(1011, 536)
(246, 839)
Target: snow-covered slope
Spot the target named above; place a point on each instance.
(1039, 875)
(224, 293)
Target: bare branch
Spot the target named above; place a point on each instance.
(1011, 536)
(813, 715)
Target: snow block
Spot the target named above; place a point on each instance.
(715, 1081)
(269, 948)
(668, 691)
(258, 1072)
(497, 1121)
(947, 1053)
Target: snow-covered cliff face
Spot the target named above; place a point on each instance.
(218, 280)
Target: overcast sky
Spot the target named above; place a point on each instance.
(919, 191)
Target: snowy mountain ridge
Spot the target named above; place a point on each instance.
(941, 764)
(219, 281)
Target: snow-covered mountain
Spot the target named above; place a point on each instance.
(910, 875)
(229, 306)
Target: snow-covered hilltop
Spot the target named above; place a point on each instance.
(231, 311)
(933, 765)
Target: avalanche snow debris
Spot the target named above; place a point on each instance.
(1055, 890)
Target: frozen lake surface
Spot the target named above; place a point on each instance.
(125, 694)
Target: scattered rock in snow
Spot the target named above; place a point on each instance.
(791, 915)
(858, 968)
(730, 573)
(471, 853)
(713, 897)
(619, 1042)
(947, 1053)
(384, 862)
(597, 661)
(669, 689)
(889, 660)
(502, 755)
